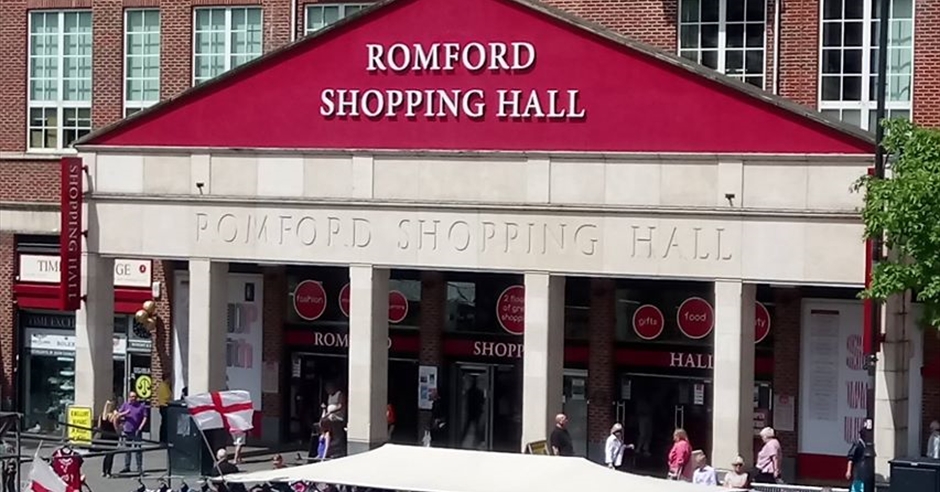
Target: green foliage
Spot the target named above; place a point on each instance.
(904, 209)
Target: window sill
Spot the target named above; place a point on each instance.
(36, 155)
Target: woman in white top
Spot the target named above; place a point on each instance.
(933, 442)
(614, 448)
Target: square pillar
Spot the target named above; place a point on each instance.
(543, 355)
(208, 318)
(368, 358)
(733, 397)
(892, 384)
(94, 334)
(431, 329)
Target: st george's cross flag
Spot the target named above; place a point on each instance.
(230, 410)
(42, 478)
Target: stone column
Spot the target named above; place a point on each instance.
(733, 390)
(208, 295)
(543, 358)
(94, 334)
(368, 358)
(891, 385)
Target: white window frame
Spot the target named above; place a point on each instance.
(59, 104)
(342, 12)
(138, 105)
(866, 106)
(723, 42)
(227, 54)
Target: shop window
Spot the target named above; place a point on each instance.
(224, 39)
(577, 308)
(725, 35)
(472, 302)
(141, 59)
(461, 306)
(320, 16)
(60, 46)
(667, 298)
(849, 60)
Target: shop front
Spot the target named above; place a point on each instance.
(524, 179)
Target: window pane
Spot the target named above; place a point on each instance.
(755, 10)
(851, 88)
(710, 10)
(710, 36)
(902, 9)
(755, 35)
(734, 36)
(735, 10)
(831, 88)
(754, 62)
(710, 59)
(734, 62)
(690, 11)
(852, 116)
(854, 9)
(852, 61)
(832, 34)
(688, 37)
(832, 9)
(853, 34)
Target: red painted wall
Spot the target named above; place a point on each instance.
(633, 102)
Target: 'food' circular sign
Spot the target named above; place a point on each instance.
(648, 322)
(695, 318)
(510, 309)
(397, 307)
(309, 300)
(761, 323)
(397, 304)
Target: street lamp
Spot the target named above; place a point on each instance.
(881, 89)
(146, 316)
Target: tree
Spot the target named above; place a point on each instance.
(904, 209)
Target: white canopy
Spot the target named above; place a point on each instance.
(421, 469)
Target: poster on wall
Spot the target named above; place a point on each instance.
(833, 381)
(427, 381)
(243, 339)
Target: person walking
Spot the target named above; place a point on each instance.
(769, 458)
(856, 469)
(107, 433)
(933, 442)
(680, 457)
(560, 439)
(614, 448)
(133, 415)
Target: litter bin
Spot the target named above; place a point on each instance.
(915, 474)
(189, 455)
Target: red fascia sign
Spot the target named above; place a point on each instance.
(397, 305)
(70, 237)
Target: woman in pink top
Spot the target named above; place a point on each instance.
(769, 458)
(680, 457)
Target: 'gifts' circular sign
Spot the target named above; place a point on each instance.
(695, 318)
(397, 304)
(309, 300)
(761, 323)
(510, 309)
(648, 322)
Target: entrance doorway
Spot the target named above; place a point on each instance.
(488, 407)
(576, 408)
(651, 407)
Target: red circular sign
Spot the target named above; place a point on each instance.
(648, 322)
(397, 304)
(397, 307)
(510, 309)
(761, 323)
(309, 300)
(344, 300)
(695, 318)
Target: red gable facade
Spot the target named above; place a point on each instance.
(459, 75)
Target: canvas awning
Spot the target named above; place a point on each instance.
(422, 469)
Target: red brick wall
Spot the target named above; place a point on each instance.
(927, 63)
(786, 377)
(649, 21)
(176, 44)
(431, 326)
(7, 331)
(799, 51)
(27, 180)
(107, 62)
(13, 25)
(602, 320)
(275, 285)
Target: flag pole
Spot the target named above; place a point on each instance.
(215, 461)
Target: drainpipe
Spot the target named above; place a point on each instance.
(777, 18)
(293, 20)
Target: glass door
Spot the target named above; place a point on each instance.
(473, 392)
(576, 408)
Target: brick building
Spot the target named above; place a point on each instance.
(71, 67)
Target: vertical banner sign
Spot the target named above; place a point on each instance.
(70, 237)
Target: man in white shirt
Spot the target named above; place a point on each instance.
(704, 474)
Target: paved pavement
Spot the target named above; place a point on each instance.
(155, 468)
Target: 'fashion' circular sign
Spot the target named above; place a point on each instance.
(309, 300)
(648, 322)
(761, 323)
(695, 318)
(397, 304)
(510, 309)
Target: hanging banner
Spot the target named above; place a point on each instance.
(70, 237)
